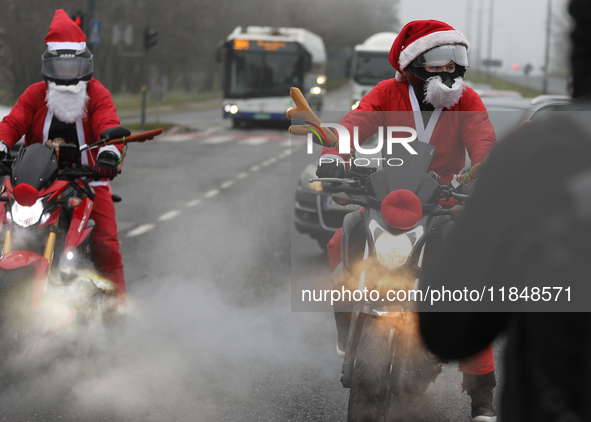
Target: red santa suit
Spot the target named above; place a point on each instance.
(394, 103)
(31, 117)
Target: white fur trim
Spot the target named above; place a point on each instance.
(54, 46)
(428, 42)
(111, 148)
(399, 76)
(440, 95)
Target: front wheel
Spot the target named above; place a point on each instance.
(376, 372)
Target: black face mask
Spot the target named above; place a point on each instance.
(447, 78)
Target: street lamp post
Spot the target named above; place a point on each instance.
(547, 55)
(490, 39)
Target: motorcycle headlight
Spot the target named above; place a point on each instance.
(27, 216)
(393, 250)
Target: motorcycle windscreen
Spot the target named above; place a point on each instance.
(406, 171)
(35, 165)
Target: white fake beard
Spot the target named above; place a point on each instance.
(68, 103)
(440, 95)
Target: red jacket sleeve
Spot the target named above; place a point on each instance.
(102, 111)
(477, 130)
(21, 117)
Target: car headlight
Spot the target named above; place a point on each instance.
(393, 250)
(27, 216)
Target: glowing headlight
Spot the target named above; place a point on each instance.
(320, 79)
(354, 106)
(27, 216)
(234, 109)
(70, 255)
(393, 251)
(316, 90)
(227, 108)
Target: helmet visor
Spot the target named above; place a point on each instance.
(66, 67)
(442, 55)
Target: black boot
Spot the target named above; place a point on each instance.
(480, 389)
(343, 320)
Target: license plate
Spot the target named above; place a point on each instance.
(262, 116)
(328, 204)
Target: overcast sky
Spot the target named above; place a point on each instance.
(519, 26)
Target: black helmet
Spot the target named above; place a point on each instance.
(67, 67)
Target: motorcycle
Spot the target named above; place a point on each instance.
(383, 249)
(47, 282)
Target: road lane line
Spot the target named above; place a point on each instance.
(176, 138)
(242, 175)
(257, 140)
(211, 193)
(214, 129)
(144, 228)
(285, 143)
(169, 215)
(193, 203)
(255, 168)
(227, 184)
(218, 140)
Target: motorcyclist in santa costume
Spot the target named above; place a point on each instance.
(72, 105)
(430, 58)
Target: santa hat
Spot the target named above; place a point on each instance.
(64, 34)
(418, 37)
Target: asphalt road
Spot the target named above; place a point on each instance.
(210, 256)
(557, 86)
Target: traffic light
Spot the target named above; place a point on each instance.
(78, 19)
(150, 38)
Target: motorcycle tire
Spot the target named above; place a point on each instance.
(376, 373)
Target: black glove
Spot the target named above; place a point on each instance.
(106, 165)
(331, 169)
(3, 150)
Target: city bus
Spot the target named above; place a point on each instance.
(261, 64)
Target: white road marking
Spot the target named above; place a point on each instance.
(242, 175)
(176, 138)
(258, 140)
(219, 140)
(144, 228)
(255, 168)
(193, 203)
(169, 215)
(214, 129)
(269, 161)
(285, 143)
(211, 193)
(227, 184)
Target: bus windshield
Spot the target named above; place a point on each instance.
(371, 68)
(263, 73)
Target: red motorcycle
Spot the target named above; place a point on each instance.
(46, 276)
